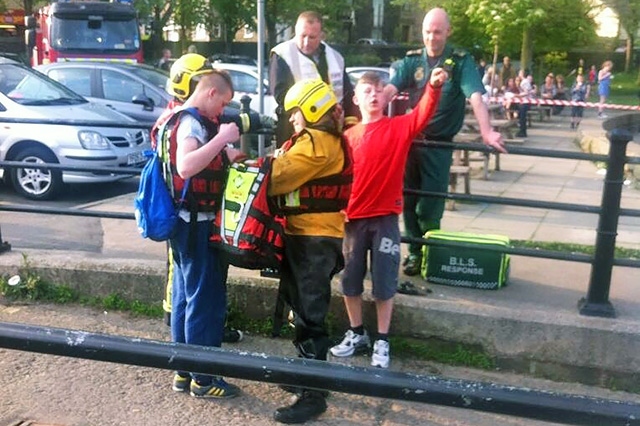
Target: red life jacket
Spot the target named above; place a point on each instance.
(164, 117)
(206, 187)
(323, 195)
(245, 229)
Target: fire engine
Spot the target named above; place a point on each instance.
(12, 32)
(87, 30)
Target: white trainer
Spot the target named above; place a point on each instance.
(352, 343)
(380, 356)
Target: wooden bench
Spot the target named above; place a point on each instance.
(460, 167)
(485, 157)
(542, 112)
(504, 127)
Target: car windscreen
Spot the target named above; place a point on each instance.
(94, 34)
(28, 87)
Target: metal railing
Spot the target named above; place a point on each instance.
(596, 302)
(528, 403)
(481, 396)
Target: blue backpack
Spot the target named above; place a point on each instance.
(155, 210)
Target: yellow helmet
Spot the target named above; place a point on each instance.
(181, 76)
(313, 97)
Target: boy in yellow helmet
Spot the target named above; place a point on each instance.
(311, 180)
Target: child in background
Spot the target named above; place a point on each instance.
(579, 93)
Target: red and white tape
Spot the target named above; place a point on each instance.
(535, 101)
(556, 102)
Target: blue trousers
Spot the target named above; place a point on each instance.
(199, 295)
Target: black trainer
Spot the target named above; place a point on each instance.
(413, 265)
(308, 406)
(231, 335)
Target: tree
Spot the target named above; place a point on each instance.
(497, 17)
(286, 12)
(187, 15)
(160, 13)
(232, 15)
(629, 14)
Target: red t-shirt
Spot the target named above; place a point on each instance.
(380, 152)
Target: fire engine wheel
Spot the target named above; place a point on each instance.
(34, 183)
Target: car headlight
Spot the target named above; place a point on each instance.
(92, 140)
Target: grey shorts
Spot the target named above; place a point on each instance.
(381, 237)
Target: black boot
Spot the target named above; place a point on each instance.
(308, 406)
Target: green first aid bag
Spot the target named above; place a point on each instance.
(472, 267)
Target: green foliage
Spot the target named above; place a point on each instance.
(361, 59)
(555, 62)
(620, 252)
(33, 287)
(442, 352)
(625, 89)
(237, 318)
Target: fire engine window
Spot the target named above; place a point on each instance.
(118, 87)
(76, 79)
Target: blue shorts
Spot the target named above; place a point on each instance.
(381, 236)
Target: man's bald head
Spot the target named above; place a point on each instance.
(435, 31)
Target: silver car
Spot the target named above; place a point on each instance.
(44, 122)
(136, 90)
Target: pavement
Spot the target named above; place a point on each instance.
(532, 325)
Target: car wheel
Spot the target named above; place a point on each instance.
(36, 184)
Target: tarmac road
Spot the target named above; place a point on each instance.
(59, 391)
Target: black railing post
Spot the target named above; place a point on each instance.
(597, 302)
(245, 139)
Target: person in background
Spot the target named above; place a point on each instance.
(311, 178)
(579, 93)
(527, 91)
(548, 90)
(593, 75)
(164, 63)
(561, 94)
(507, 71)
(427, 169)
(482, 65)
(604, 86)
(307, 56)
(380, 146)
(579, 70)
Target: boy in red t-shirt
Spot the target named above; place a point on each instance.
(380, 146)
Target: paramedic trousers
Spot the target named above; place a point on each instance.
(307, 268)
(199, 295)
(427, 169)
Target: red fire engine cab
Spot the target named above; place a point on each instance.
(87, 30)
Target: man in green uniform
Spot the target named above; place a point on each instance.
(427, 169)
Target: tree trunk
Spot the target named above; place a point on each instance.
(628, 53)
(494, 64)
(527, 49)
